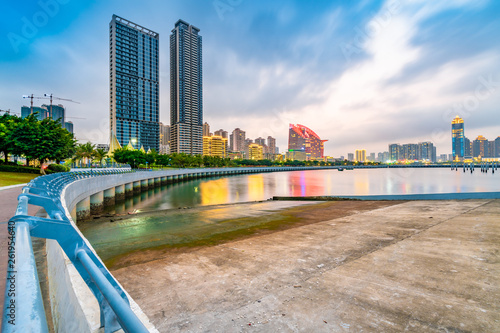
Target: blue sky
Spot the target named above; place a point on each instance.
(361, 74)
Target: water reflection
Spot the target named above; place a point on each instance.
(257, 187)
(214, 192)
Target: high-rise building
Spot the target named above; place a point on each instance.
(221, 133)
(457, 138)
(467, 147)
(480, 147)
(255, 151)
(56, 112)
(350, 157)
(40, 112)
(426, 151)
(361, 155)
(395, 152)
(260, 141)
(497, 147)
(134, 84)
(303, 138)
(237, 140)
(69, 126)
(164, 139)
(271, 143)
(164, 134)
(186, 89)
(410, 151)
(215, 145)
(206, 129)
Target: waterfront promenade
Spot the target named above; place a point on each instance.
(417, 266)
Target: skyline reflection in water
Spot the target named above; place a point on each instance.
(256, 187)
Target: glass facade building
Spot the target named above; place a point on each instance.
(186, 89)
(457, 138)
(134, 84)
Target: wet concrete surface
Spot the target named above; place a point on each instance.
(422, 266)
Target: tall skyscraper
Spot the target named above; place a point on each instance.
(186, 89)
(134, 84)
(457, 138)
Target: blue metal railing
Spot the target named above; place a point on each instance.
(23, 310)
(23, 306)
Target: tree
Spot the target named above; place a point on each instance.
(42, 140)
(151, 157)
(99, 155)
(7, 124)
(131, 157)
(163, 160)
(85, 151)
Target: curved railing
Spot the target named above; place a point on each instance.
(23, 306)
(23, 309)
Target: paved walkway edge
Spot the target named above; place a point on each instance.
(429, 196)
(12, 186)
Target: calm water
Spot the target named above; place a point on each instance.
(113, 240)
(256, 187)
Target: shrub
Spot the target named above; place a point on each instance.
(19, 168)
(58, 168)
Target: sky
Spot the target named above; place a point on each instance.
(361, 74)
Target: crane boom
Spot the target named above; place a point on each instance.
(47, 96)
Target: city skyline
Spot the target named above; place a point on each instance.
(417, 65)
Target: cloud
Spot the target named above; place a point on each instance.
(376, 100)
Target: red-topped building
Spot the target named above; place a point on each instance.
(302, 138)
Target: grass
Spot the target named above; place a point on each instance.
(14, 178)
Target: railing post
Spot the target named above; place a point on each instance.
(125, 316)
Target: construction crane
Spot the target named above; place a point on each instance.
(62, 99)
(50, 97)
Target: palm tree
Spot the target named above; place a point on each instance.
(85, 151)
(99, 155)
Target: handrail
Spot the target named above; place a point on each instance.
(23, 310)
(46, 191)
(23, 297)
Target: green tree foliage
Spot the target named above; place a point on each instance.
(41, 140)
(131, 157)
(7, 124)
(99, 155)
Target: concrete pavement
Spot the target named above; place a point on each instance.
(420, 266)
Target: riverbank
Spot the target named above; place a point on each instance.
(420, 266)
(125, 239)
